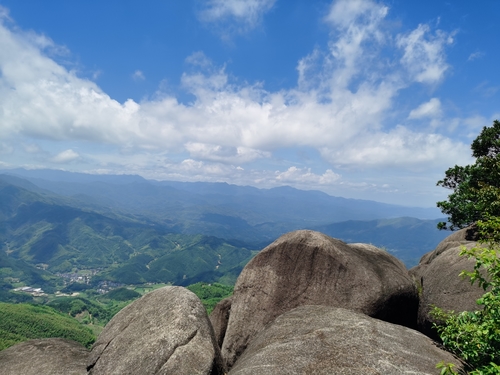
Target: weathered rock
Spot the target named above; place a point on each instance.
(219, 318)
(44, 356)
(440, 284)
(327, 340)
(164, 332)
(310, 268)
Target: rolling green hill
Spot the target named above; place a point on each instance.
(21, 322)
(38, 230)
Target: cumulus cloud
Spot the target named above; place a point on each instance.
(32, 148)
(424, 55)
(340, 106)
(225, 154)
(432, 108)
(65, 156)
(299, 176)
(400, 148)
(356, 25)
(242, 15)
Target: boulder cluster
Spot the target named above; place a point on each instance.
(306, 304)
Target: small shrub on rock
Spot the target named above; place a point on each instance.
(474, 336)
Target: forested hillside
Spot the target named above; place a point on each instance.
(85, 249)
(248, 214)
(127, 230)
(21, 322)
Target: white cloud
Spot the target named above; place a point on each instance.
(400, 148)
(96, 74)
(486, 90)
(224, 154)
(357, 26)
(476, 122)
(246, 10)
(65, 157)
(341, 106)
(432, 109)
(243, 14)
(199, 59)
(475, 55)
(424, 55)
(138, 76)
(348, 13)
(4, 14)
(300, 176)
(32, 148)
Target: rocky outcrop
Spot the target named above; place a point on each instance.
(165, 332)
(327, 340)
(219, 318)
(438, 277)
(44, 356)
(310, 268)
(306, 304)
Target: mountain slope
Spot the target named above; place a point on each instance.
(39, 231)
(21, 322)
(216, 209)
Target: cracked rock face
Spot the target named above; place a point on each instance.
(219, 318)
(441, 286)
(44, 356)
(165, 332)
(335, 341)
(310, 268)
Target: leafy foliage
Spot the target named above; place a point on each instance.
(211, 294)
(122, 294)
(476, 188)
(76, 305)
(475, 335)
(21, 322)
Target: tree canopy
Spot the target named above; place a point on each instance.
(476, 187)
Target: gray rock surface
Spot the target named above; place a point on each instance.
(44, 357)
(310, 268)
(164, 332)
(219, 318)
(326, 340)
(440, 284)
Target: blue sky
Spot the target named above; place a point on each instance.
(357, 98)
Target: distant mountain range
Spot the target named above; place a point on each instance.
(216, 209)
(135, 230)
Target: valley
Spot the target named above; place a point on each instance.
(87, 245)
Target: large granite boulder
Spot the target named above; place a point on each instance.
(310, 268)
(327, 340)
(437, 275)
(164, 332)
(219, 318)
(44, 356)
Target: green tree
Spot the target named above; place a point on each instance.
(475, 335)
(476, 187)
